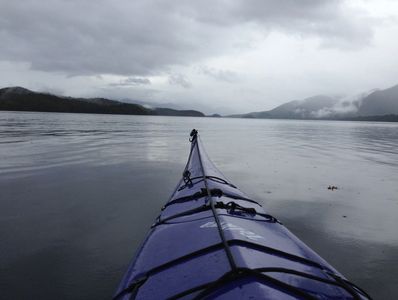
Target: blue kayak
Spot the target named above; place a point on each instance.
(211, 241)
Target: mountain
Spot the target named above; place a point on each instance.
(296, 109)
(21, 99)
(377, 105)
(215, 116)
(380, 102)
(161, 111)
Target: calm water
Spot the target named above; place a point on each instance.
(79, 192)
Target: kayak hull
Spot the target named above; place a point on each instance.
(212, 241)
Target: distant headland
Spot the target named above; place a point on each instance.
(21, 99)
(377, 105)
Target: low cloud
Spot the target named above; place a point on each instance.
(179, 79)
(221, 75)
(345, 106)
(131, 81)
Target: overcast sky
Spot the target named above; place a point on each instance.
(216, 56)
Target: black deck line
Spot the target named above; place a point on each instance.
(166, 221)
(277, 252)
(340, 283)
(210, 287)
(261, 248)
(198, 195)
(205, 207)
(183, 258)
(228, 252)
(234, 242)
(188, 212)
(244, 273)
(213, 178)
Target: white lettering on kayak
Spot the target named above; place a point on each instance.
(229, 226)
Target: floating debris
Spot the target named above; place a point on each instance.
(332, 187)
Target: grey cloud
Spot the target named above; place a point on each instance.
(90, 37)
(127, 94)
(221, 75)
(346, 105)
(132, 81)
(331, 20)
(138, 38)
(52, 90)
(179, 79)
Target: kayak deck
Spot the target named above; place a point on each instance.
(212, 241)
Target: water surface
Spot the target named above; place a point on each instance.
(78, 193)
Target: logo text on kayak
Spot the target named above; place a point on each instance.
(229, 226)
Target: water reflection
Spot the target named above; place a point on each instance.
(78, 192)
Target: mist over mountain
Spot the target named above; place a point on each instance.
(21, 99)
(375, 103)
(152, 104)
(380, 102)
(302, 109)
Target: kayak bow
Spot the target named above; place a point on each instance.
(212, 241)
